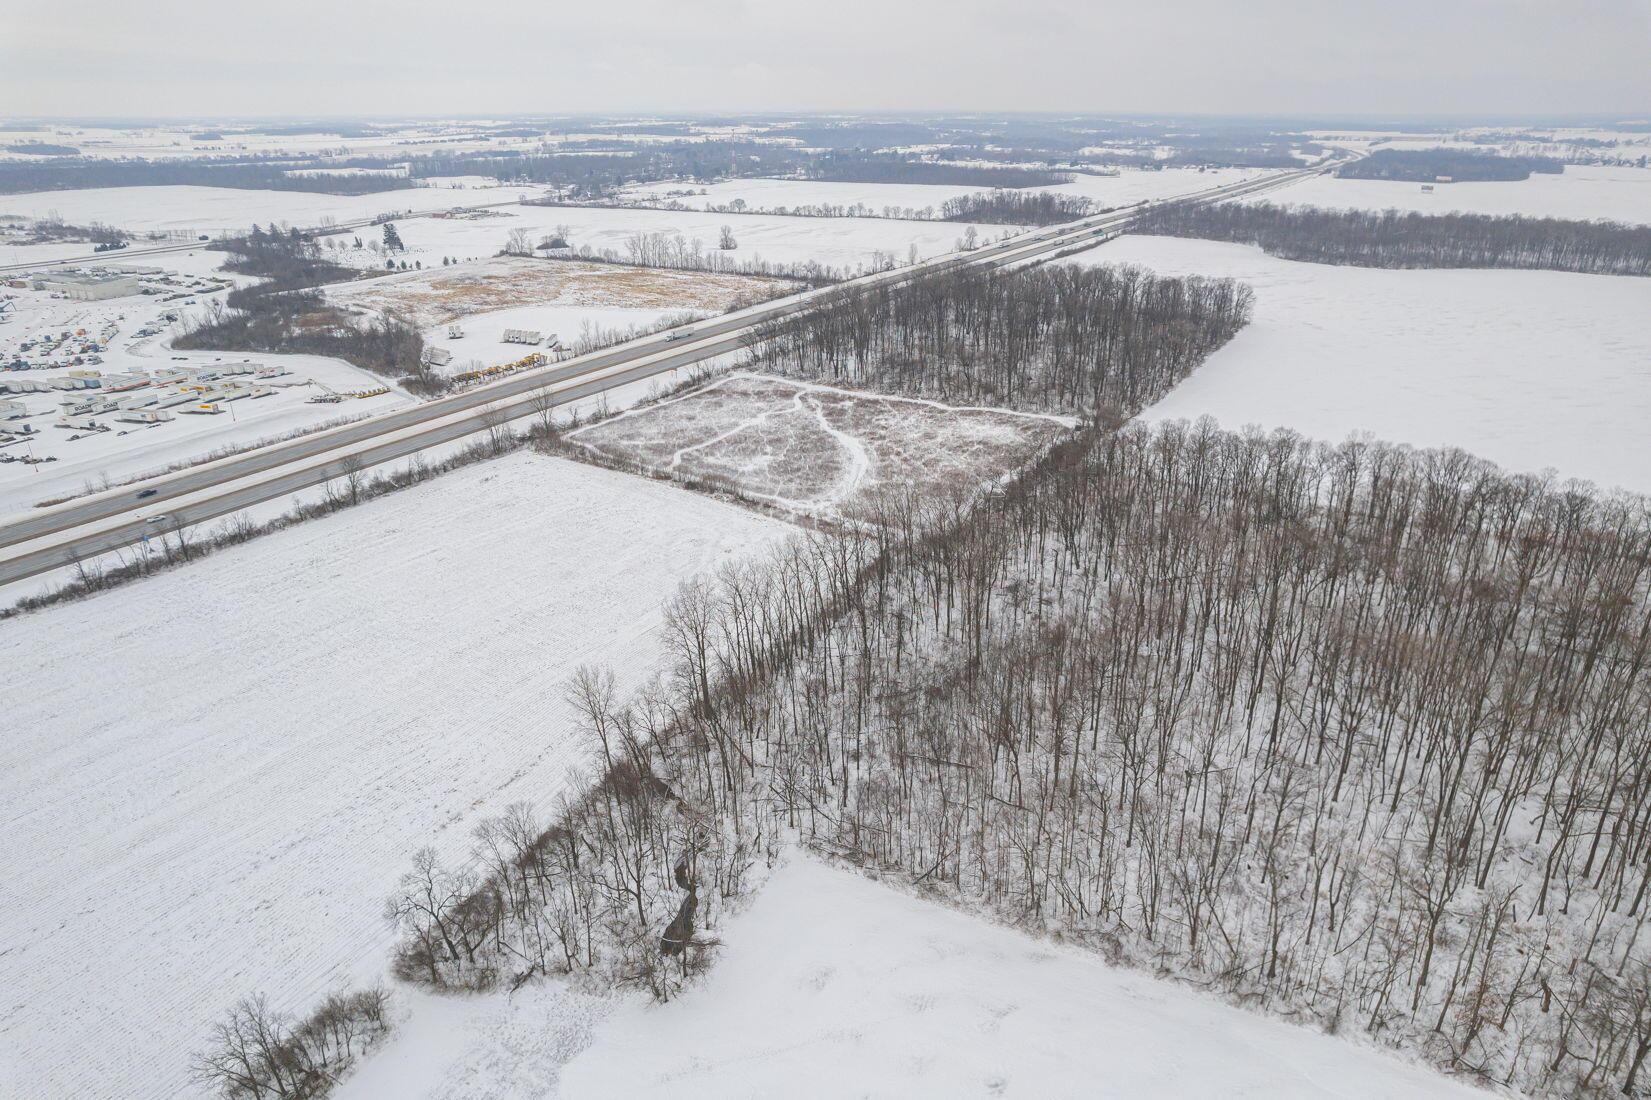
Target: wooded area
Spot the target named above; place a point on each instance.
(1016, 208)
(63, 173)
(286, 313)
(1061, 338)
(1391, 238)
(859, 167)
(1429, 165)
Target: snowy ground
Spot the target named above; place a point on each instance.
(1133, 185)
(214, 776)
(219, 210)
(1580, 192)
(131, 450)
(440, 294)
(572, 302)
(1130, 186)
(482, 343)
(835, 242)
(833, 985)
(1530, 369)
(817, 450)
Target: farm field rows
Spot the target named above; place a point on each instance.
(216, 775)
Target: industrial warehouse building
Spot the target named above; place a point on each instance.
(88, 288)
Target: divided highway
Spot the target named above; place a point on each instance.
(48, 538)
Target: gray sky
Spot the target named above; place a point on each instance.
(423, 57)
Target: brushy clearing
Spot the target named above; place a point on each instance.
(818, 450)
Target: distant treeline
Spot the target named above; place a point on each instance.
(855, 167)
(52, 229)
(64, 173)
(41, 149)
(1391, 238)
(593, 173)
(1060, 338)
(1462, 165)
(1015, 208)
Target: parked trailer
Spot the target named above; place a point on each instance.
(182, 397)
(144, 416)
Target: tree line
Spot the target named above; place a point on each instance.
(258, 1053)
(1016, 208)
(854, 166)
(1396, 239)
(1427, 165)
(1060, 338)
(591, 173)
(62, 173)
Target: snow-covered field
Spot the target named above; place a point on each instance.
(833, 985)
(835, 242)
(213, 777)
(817, 450)
(440, 294)
(1133, 185)
(1130, 186)
(220, 210)
(483, 345)
(1580, 192)
(567, 300)
(1530, 369)
(774, 194)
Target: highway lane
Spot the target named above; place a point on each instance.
(47, 538)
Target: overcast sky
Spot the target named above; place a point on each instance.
(423, 57)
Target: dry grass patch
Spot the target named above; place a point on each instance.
(818, 450)
(436, 296)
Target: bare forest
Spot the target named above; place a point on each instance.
(1450, 165)
(854, 166)
(1055, 338)
(1016, 208)
(1370, 238)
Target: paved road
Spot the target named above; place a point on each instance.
(47, 538)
